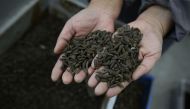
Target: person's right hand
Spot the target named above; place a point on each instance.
(154, 24)
(87, 20)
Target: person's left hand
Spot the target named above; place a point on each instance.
(149, 53)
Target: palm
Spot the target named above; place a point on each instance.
(87, 21)
(82, 23)
(150, 51)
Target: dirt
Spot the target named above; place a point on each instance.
(25, 71)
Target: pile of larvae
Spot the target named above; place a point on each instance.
(116, 54)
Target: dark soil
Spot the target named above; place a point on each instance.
(25, 71)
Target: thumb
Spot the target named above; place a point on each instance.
(64, 38)
(145, 66)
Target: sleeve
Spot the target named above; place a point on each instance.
(180, 10)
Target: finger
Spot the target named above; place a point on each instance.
(92, 82)
(140, 56)
(67, 77)
(93, 61)
(92, 64)
(145, 66)
(64, 37)
(101, 88)
(90, 70)
(116, 90)
(79, 77)
(57, 70)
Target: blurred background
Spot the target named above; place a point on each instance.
(28, 32)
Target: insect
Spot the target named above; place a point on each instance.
(117, 53)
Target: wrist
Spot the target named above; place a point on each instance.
(147, 28)
(110, 8)
(151, 24)
(158, 17)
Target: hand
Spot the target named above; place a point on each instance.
(87, 20)
(149, 53)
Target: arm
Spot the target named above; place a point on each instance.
(109, 7)
(159, 17)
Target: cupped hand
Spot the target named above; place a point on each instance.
(149, 53)
(87, 20)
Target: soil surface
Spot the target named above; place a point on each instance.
(25, 71)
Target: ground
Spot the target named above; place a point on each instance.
(25, 71)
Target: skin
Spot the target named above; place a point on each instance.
(154, 23)
(99, 15)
